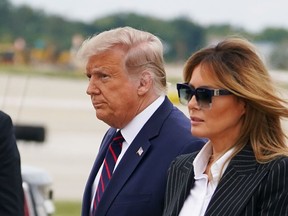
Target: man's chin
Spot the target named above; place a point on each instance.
(100, 115)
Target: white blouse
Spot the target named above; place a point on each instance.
(200, 195)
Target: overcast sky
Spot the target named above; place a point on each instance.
(253, 15)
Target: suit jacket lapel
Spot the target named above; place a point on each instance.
(180, 181)
(96, 166)
(131, 159)
(237, 184)
(186, 181)
(125, 168)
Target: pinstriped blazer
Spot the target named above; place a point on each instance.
(246, 188)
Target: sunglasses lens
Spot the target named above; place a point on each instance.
(186, 92)
(184, 95)
(203, 97)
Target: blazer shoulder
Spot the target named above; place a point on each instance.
(184, 160)
(280, 163)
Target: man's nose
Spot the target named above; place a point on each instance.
(92, 89)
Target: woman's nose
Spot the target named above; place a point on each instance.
(192, 104)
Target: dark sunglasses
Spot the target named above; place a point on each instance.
(203, 95)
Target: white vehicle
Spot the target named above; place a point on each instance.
(37, 183)
(38, 193)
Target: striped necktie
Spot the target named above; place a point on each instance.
(109, 162)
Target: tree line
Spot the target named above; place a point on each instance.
(180, 36)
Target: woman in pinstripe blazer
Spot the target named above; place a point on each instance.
(243, 168)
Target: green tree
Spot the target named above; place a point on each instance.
(5, 21)
(187, 37)
(276, 35)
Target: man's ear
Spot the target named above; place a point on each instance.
(145, 83)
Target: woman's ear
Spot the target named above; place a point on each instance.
(145, 83)
(243, 106)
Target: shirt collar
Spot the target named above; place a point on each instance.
(202, 159)
(130, 131)
(218, 168)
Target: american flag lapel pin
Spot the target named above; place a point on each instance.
(140, 151)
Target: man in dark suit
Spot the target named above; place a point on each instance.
(127, 85)
(11, 192)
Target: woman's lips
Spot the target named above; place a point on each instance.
(196, 120)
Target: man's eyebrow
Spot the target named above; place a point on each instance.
(98, 69)
(93, 70)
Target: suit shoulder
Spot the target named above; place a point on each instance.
(178, 114)
(6, 125)
(5, 118)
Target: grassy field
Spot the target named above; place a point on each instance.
(67, 208)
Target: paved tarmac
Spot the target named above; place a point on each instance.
(73, 132)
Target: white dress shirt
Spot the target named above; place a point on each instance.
(129, 132)
(200, 195)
